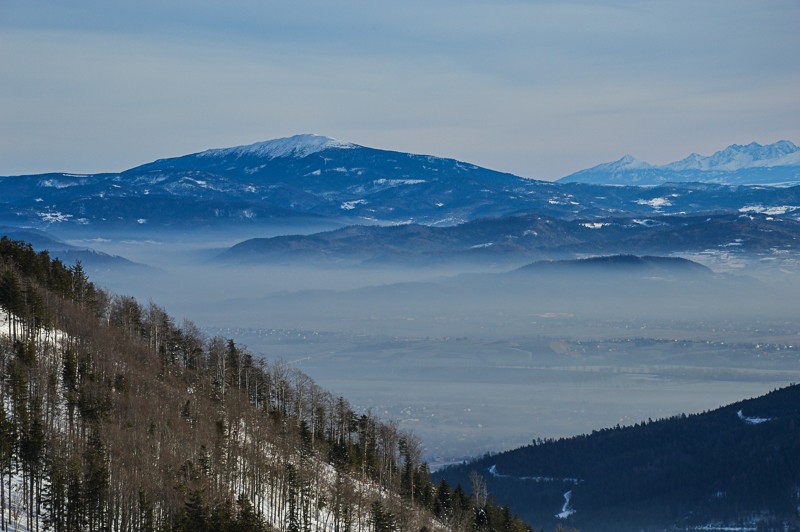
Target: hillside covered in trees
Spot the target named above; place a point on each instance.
(115, 417)
(733, 468)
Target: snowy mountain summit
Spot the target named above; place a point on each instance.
(738, 157)
(626, 162)
(297, 146)
(738, 164)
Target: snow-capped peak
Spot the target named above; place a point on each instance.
(297, 146)
(626, 162)
(739, 156)
(693, 162)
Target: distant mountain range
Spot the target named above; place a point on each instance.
(734, 468)
(751, 164)
(516, 239)
(319, 179)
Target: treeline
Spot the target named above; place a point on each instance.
(685, 471)
(114, 417)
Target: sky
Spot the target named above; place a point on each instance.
(537, 88)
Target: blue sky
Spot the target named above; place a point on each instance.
(538, 88)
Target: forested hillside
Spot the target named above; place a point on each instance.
(734, 468)
(115, 417)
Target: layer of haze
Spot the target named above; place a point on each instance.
(537, 88)
(484, 362)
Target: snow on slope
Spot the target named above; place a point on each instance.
(297, 146)
(626, 162)
(752, 420)
(566, 511)
(493, 471)
(320, 477)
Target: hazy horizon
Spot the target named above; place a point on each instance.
(486, 362)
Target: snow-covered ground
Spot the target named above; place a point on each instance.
(13, 513)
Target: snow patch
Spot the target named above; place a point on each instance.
(772, 211)
(396, 182)
(253, 169)
(595, 225)
(752, 420)
(566, 511)
(725, 528)
(350, 205)
(493, 471)
(655, 203)
(647, 222)
(54, 217)
(55, 183)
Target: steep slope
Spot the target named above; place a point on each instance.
(112, 417)
(735, 466)
(771, 164)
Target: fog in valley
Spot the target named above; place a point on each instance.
(475, 359)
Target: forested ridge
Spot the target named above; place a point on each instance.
(115, 417)
(737, 466)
